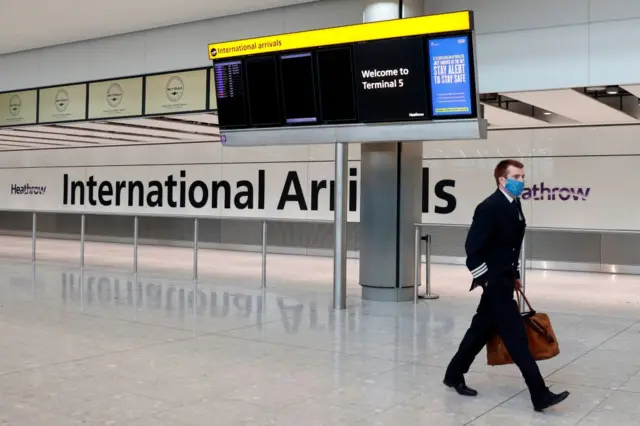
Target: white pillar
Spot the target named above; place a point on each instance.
(390, 196)
(384, 10)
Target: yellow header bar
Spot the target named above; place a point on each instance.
(431, 24)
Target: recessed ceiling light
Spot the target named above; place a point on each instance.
(612, 90)
(546, 113)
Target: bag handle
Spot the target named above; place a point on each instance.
(520, 292)
(535, 325)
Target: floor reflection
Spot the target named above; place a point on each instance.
(92, 346)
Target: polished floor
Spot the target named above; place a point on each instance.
(100, 346)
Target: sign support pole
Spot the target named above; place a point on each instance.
(340, 226)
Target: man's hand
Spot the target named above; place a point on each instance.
(518, 285)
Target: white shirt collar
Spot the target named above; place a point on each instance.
(509, 197)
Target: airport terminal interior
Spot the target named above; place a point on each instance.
(255, 213)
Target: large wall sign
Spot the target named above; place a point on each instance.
(176, 92)
(115, 98)
(66, 103)
(560, 192)
(18, 108)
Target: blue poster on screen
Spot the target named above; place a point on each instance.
(450, 76)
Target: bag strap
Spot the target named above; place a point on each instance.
(520, 292)
(535, 325)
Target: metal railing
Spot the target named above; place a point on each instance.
(543, 228)
(136, 243)
(339, 286)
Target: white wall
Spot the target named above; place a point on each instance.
(521, 45)
(545, 44)
(592, 170)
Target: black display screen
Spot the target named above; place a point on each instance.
(263, 91)
(335, 83)
(390, 80)
(407, 79)
(298, 88)
(230, 93)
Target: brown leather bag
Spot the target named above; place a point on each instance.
(542, 339)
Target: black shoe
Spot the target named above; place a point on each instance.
(550, 400)
(461, 388)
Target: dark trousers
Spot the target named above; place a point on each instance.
(498, 313)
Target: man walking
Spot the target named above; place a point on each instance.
(493, 249)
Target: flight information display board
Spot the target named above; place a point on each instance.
(230, 93)
(406, 74)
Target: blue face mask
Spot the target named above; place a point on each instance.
(515, 187)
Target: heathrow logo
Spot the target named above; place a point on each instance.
(62, 100)
(114, 95)
(541, 192)
(15, 105)
(27, 189)
(175, 89)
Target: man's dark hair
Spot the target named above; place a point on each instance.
(501, 168)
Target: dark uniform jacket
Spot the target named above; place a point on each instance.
(494, 240)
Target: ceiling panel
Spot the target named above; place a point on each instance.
(206, 131)
(634, 89)
(93, 134)
(198, 118)
(38, 143)
(17, 136)
(19, 145)
(128, 130)
(27, 25)
(503, 118)
(574, 105)
(156, 130)
(68, 138)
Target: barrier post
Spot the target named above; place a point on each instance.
(264, 254)
(33, 237)
(428, 294)
(135, 245)
(82, 231)
(194, 289)
(195, 248)
(417, 261)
